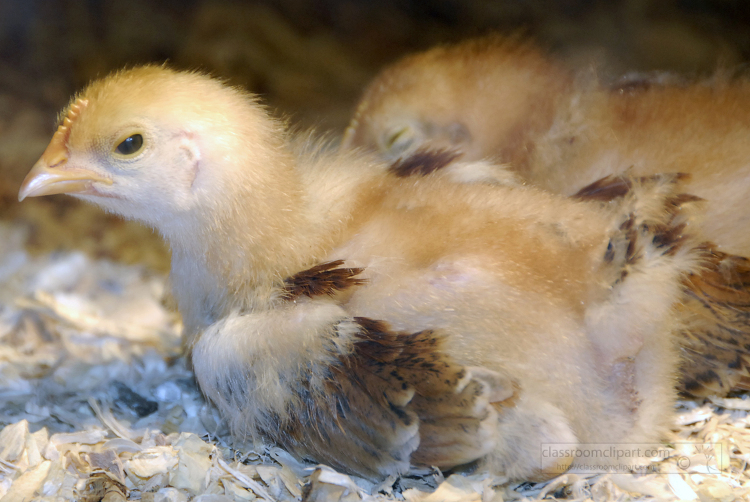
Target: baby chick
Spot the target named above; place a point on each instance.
(564, 132)
(488, 97)
(375, 317)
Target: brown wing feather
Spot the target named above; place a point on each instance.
(605, 189)
(324, 279)
(395, 399)
(615, 186)
(716, 338)
(423, 162)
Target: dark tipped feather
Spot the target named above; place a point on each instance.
(423, 162)
(605, 189)
(613, 186)
(388, 402)
(324, 279)
(716, 339)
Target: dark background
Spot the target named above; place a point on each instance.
(309, 59)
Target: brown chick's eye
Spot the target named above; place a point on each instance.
(130, 145)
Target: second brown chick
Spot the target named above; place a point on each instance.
(508, 101)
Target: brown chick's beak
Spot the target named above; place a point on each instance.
(46, 180)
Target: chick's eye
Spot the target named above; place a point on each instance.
(398, 140)
(130, 145)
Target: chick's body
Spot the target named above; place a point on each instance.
(700, 129)
(515, 318)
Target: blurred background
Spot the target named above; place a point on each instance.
(308, 59)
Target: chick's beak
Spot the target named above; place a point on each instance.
(52, 175)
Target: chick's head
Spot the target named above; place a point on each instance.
(410, 105)
(154, 144)
(480, 98)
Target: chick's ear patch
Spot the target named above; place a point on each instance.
(458, 133)
(191, 152)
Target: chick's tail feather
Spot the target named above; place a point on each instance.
(396, 399)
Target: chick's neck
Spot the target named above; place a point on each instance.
(264, 228)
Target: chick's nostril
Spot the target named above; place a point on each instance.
(58, 161)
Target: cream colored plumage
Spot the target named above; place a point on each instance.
(561, 132)
(372, 317)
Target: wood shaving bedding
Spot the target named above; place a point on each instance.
(96, 403)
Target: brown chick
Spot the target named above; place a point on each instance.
(485, 98)
(567, 132)
(375, 317)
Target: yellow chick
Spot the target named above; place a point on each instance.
(375, 316)
(560, 132)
